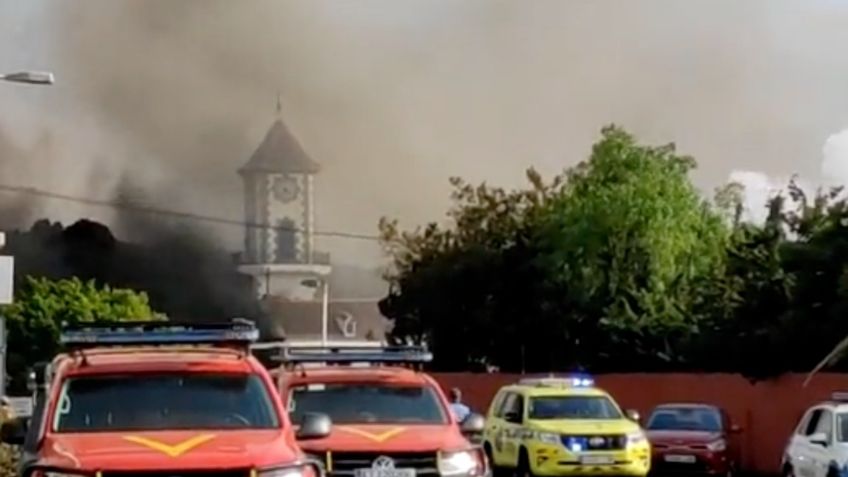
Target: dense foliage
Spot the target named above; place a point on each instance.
(619, 264)
(9, 458)
(41, 308)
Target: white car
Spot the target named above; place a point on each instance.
(819, 445)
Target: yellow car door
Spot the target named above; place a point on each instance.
(495, 425)
(513, 416)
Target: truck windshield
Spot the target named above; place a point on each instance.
(367, 403)
(573, 407)
(172, 401)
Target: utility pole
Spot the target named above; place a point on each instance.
(7, 276)
(325, 304)
(7, 264)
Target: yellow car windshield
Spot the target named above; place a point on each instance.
(573, 407)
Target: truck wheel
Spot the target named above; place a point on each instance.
(496, 471)
(788, 471)
(833, 472)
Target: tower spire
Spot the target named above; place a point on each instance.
(279, 105)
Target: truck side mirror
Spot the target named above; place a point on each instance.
(473, 424)
(314, 425)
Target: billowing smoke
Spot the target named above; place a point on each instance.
(834, 166)
(394, 97)
(761, 187)
(185, 276)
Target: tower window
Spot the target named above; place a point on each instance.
(286, 241)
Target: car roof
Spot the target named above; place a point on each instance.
(347, 374)
(532, 390)
(836, 405)
(687, 405)
(141, 359)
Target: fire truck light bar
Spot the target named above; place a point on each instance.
(242, 332)
(343, 355)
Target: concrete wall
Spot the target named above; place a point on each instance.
(768, 411)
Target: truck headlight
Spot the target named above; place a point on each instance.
(50, 473)
(717, 446)
(303, 470)
(635, 438)
(464, 462)
(36, 471)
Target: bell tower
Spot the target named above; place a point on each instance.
(279, 215)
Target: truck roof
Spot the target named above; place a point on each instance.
(339, 374)
(555, 391)
(147, 359)
(157, 346)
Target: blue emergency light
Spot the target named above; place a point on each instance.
(237, 332)
(582, 381)
(349, 355)
(571, 380)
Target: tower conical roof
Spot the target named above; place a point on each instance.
(280, 152)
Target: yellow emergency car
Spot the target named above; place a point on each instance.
(562, 427)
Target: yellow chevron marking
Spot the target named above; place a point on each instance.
(383, 437)
(175, 450)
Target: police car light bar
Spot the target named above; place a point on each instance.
(237, 332)
(349, 355)
(577, 381)
(840, 396)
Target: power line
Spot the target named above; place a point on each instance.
(173, 213)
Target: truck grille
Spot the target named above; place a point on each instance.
(178, 473)
(344, 463)
(595, 442)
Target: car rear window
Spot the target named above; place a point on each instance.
(377, 403)
(171, 401)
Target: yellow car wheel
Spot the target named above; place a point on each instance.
(497, 471)
(523, 469)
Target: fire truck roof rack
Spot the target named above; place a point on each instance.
(294, 354)
(238, 333)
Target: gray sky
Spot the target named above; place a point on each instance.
(393, 97)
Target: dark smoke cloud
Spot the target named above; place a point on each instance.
(184, 275)
(386, 94)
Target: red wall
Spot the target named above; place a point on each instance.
(767, 411)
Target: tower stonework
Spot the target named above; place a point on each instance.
(279, 214)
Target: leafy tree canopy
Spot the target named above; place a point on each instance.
(619, 264)
(42, 306)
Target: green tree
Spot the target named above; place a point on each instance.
(469, 288)
(782, 298)
(34, 321)
(630, 238)
(599, 264)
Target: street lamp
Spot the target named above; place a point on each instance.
(325, 300)
(29, 77)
